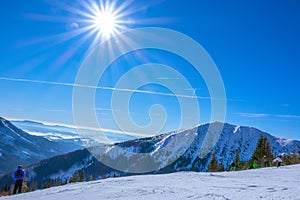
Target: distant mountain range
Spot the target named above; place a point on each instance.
(19, 147)
(26, 142)
(62, 133)
(158, 151)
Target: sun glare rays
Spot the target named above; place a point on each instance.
(91, 21)
(78, 26)
(84, 24)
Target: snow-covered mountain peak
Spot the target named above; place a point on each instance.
(5, 123)
(284, 142)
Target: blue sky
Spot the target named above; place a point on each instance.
(254, 44)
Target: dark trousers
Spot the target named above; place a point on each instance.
(278, 164)
(18, 186)
(266, 164)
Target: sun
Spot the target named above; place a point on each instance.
(93, 22)
(106, 23)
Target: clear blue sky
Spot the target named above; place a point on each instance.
(255, 45)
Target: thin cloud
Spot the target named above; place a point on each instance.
(254, 115)
(289, 116)
(263, 115)
(285, 105)
(192, 89)
(168, 78)
(106, 109)
(56, 110)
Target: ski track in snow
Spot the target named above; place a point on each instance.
(266, 183)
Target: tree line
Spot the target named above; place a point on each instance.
(262, 155)
(32, 186)
(78, 176)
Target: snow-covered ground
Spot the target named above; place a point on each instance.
(267, 183)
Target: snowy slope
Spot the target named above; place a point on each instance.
(266, 183)
(157, 152)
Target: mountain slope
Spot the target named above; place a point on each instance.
(158, 152)
(266, 183)
(18, 147)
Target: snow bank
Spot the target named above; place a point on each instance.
(267, 183)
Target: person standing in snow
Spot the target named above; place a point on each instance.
(278, 160)
(266, 161)
(255, 165)
(232, 167)
(19, 175)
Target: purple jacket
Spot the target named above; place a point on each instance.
(22, 176)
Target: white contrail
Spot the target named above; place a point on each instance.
(104, 88)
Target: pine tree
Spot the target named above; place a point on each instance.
(214, 165)
(237, 160)
(64, 182)
(48, 184)
(286, 160)
(268, 151)
(56, 182)
(295, 158)
(82, 176)
(5, 188)
(75, 177)
(32, 186)
(246, 165)
(104, 176)
(258, 150)
(25, 187)
(91, 178)
(11, 189)
(262, 149)
(221, 168)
